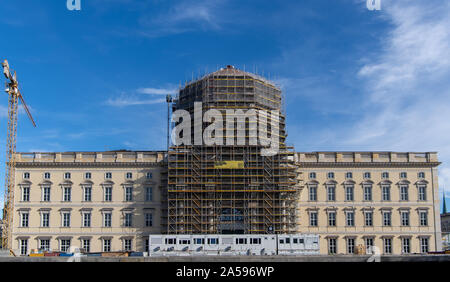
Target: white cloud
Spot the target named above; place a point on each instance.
(157, 91)
(130, 101)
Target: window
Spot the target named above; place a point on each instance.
(387, 244)
(86, 245)
(331, 175)
(148, 219)
(422, 193)
(87, 197)
(107, 218)
(312, 175)
(128, 194)
(386, 192)
(26, 175)
(313, 193)
(213, 241)
(149, 175)
(87, 175)
(47, 175)
(86, 219)
(107, 245)
(46, 194)
(127, 244)
(403, 175)
(349, 175)
(147, 245)
(67, 175)
(45, 219)
(149, 194)
(349, 193)
(108, 175)
(66, 219)
(424, 246)
(108, 194)
(25, 194)
(367, 192)
(24, 221)
(332, 218)
(368, 218)
(423, 215)
(350, 245)
(332, 246)
(128, 219)
(64, 245)
(23, 247)
(350, 218)
(369, 244)
(67, 194)
(331, 189)
(129, 175)
(387, 218)
(406, 247)
(367, 175)
(405, 218)
(313, 219)
(404, 193)
(421, 175)
(44, 244)
(385, 175)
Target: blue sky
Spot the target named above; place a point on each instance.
(354, 79)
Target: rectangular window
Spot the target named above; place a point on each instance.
(86, 219)
(421, 174)
(385, 175)
(331, 192)
(26, 175)
(127, 245)
(313, 193)
(369, 244)
(108, 194)
(349, 193)
(87, 194)
(367, 192)
(331, 175)
(386, 193)
(368, 218)
(331, 218)
(403, 175)
(87, 175)
(149, 175)
(46, 194)
(332, 246)
(86, 245)
(423, 218)
(405, 218)
(47, 175)
(25, 216)
(422, 193)
(67, 175)
(44, 244)
(64, 245)
(107, 245)
(406, 247)
(108, 175)
(149, 194)
(387, 219)
(26, 194)
(350, 245)
(424, 246)
(67, 194)
(404, 193)
(312, 175)
(128, 194)
(148, 219)
(23, 247)
(45, 219)
(367, 175)
(128, 219)
(147, 245)
(129, 175)
(66, 219)
(349, 175)
(313, 219)
(387, 242)
(107, 219)
(350, 218)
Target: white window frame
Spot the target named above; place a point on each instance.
(64, 193)
(86, 188)
(23, 188)
(347, 188)
(147, 216)
(104, 215)
(147, 198)
(108, 175)
(106, 188)
(26, 175)
(42, 215)
(23, 215)
(43, 188)
(63, 219)
(312, 188)
(67, 175)
(83, 219)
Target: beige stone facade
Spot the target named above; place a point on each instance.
(384, 199)
(64, 199)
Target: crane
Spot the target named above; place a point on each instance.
(14, 95)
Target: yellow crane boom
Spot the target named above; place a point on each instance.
(14, 95)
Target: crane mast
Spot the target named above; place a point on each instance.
(14, 95)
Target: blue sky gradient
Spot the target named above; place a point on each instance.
(354, 79)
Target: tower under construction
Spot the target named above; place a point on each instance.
(232, 189)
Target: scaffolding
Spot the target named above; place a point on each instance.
(231, 189)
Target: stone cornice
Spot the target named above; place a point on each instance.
(367, 164)
(89, 164)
